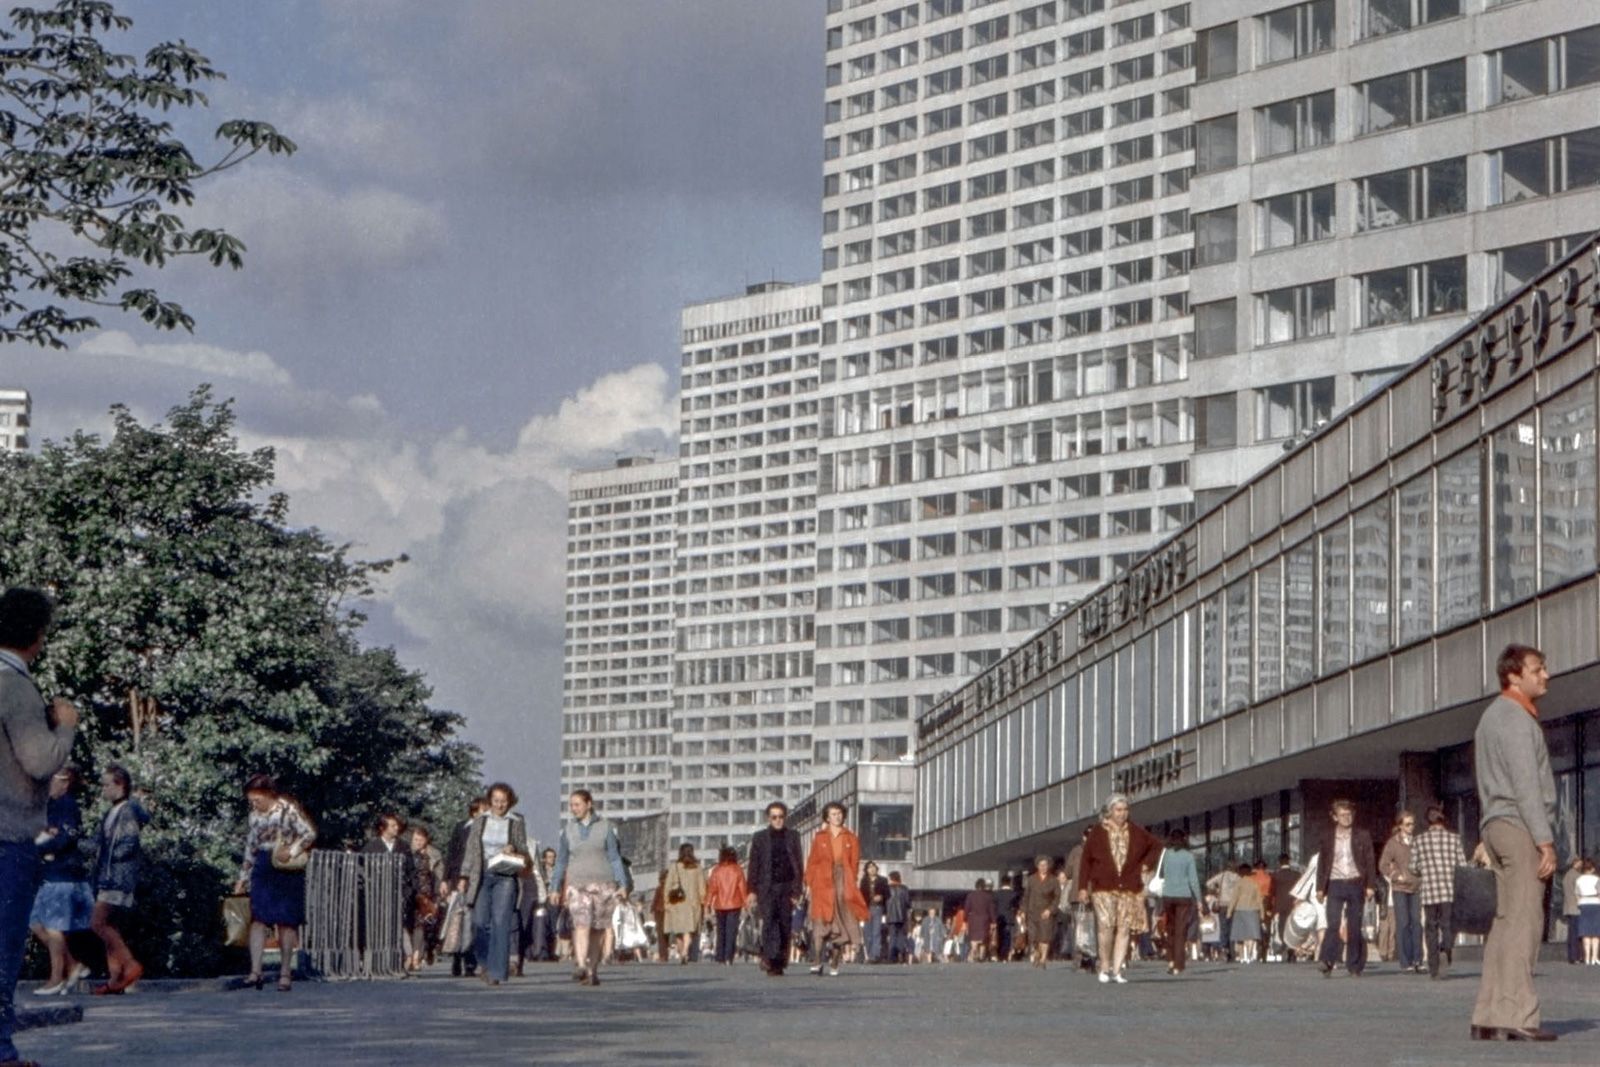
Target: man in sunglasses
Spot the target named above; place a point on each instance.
(774, 875)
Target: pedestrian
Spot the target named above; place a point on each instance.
(532, 892)
(1074, 868)
(1346, 875)
(1244, 913)
(1395, 864)
(1223, 884)
(1569, 909)
(1436, 853)
(462, 961)
(837, 906)
(1115, 852)
(686, 899)
(1517, 805)
(658, 915)
(955, 949)
(896, 914)
(726, 892)
(875, 890)
(1180, 897)
(1283, 902)
(980, 909)
(1008, 900)
(1041, 896)
(116, 876)
(278, 834)
(427, 874)
(389, 840)
(65, 901)
(589, 875)
(1588, 893)
(35, 738)
(932, 935)
(773, 875)
(496, 853)
(546, 916)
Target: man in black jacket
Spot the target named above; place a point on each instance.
(1346, 874)
(775, 874)
(1283, 883)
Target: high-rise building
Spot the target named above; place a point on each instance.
(746, 561)
(1368, 175)
(617, 664)
(16, 412)
(1006, 417)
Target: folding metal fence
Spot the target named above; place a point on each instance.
(355, 916)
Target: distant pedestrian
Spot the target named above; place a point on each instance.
(279, 831)
(546, 916)
(1223, 884)
(726, 893)
(116, 874)
(35, 738)
(589, 872)
(837, 907)
(931, 937)
(1588, 889)
(533, 891)
(389, 838)
(980, 909)
(1180, 897)
(1115, 853)
(1397, 866)
(1569, 909)
(427, 874)
(495, 856)
(462, 960)
(686, 899)
(896, 914)
(875, 890)
(1436, 854)
(65, 900)
(1284, 879)
(1517, 805)
(1041, 896)
(1346, 874)
(1245, 912)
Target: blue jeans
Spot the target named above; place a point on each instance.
(494, 919)
(1408, 929)
(19, 880)
(873, 934)
(1345, 897)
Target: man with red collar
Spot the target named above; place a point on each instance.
(1517, 795)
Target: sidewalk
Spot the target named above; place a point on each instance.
(1263, 1014)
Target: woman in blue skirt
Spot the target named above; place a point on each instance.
(278, 829)
(65, 902)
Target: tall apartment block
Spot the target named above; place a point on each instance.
(1006, 413)
(617, 664)
(744, 591)
(1368, 175)
(16, 412)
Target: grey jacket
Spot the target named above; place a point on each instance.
(1512, 764)
(31, 750)
(472, 867)
(116, 865)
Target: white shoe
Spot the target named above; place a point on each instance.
(1121, 980)
(833, 972)
(51, 990)
(1105, 979)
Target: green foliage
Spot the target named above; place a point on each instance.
(205, 640)
(89, 172)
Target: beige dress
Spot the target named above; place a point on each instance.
(684, 916)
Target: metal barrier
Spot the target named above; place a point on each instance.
(355, 916)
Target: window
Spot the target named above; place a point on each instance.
(990, 107)
(1282, 411)
(1133, 191)
(1414, 561)
(1460, 585)
(1137, 69)
(1084, 82)
(1518, 265)
(1216, 143)
(1039, 172)
(1216, 236)
(987, 147)
(1545, 66)
(1513, 512)
(1295, 218)
(987, 70)
(1299, 615)
(1216, 52)
(987, 224)
(1399, 100)
(1379, 17)
(944, 81)
(1138, 109)
(1133, 150)
(1335, 621)
(941, 271)
(1082, 202)
(1215, 328)
(1133, 231)
(935, 197)
(986, 185)
(1292, 32)
(941, 158)
(1216, 421)
(1567, 486)
(1401, 294)
(1081, 122)
(942, 119)
(1032, 96)
(1397, 197)
(1294, 313)
(1296, 125)
(1085, 162)
(1035, 134)
(943, 44)
(1542, 168)
(991, 30)
(1086, 43)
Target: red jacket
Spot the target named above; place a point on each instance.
(726, 889)
(1100, 871)
(819, 874)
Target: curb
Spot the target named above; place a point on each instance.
(55, 1015)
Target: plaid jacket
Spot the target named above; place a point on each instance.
(1436, 853)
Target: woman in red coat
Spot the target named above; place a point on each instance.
(1115, 853)
(837, 907)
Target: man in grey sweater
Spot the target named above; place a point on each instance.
(35, 739)
(1517, 795)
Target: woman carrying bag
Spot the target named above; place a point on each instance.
(276, 849)
(496, 853)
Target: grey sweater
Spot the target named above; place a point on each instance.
(1512, 764)
(30, 752)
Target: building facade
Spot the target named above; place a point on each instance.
(744, 584)
(617, 659)
(16, 414)
(1331, 628)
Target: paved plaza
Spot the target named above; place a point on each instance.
(702, 1014)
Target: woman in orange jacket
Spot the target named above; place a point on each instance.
(725, 895)
(837, 907)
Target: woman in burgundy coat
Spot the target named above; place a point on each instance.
(1115, 855)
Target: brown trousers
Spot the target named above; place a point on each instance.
(1177, 911)
(1505, 997)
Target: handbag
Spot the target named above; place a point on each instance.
(1085, 931)
(236, 920)
(290, 857)
(455, 937)
(1158, 884)
(675, 894)
(1476, 899)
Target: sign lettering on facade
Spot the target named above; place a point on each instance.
(1135, 592)
(1152, 772)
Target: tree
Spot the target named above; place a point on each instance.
(90, 173)
(206, 639)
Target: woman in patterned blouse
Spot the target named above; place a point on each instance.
(277, 896)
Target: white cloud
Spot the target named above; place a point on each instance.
(206, 360)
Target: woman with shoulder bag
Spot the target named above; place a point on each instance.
(496, 853)
(686, 899)
(1180, 897)
(276, 849)
(65, 901)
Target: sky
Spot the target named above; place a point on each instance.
(464, 285)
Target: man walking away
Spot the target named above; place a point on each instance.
(1517, 796)
(1345, 878)
(35, 739)
(1283, 882)
(896, 911)
(774, 874)
(1436, 853)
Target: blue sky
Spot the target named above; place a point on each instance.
(466, 283)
